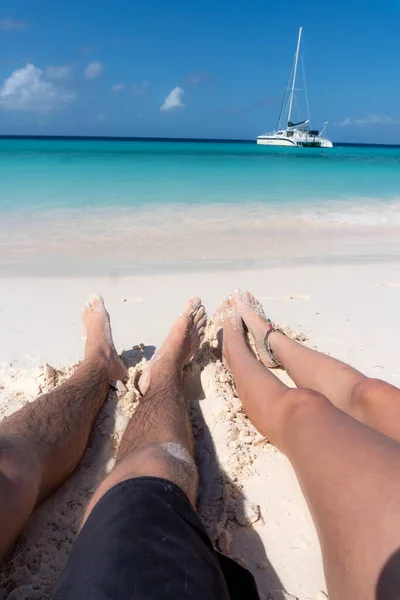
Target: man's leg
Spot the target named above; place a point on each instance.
(158, 441)
(348, 471)
(142, 537)
(371, 401)
(41, 444)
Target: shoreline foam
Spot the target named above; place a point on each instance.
(174, 238)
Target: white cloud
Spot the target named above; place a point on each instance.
(7, 24)
(27, 89)
(141, 88)
(94, 69)
(57, 72)
(174, 99)
(196, 78)
(369, 120)
(118, 87)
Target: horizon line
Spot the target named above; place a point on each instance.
(112, 138)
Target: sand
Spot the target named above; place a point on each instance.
(249, 498)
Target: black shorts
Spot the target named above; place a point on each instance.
(143, 540)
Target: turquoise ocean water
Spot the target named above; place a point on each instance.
(222, 200)
(40, 175)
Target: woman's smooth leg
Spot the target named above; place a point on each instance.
(348, 471)
(371, 401)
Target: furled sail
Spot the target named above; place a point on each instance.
(290, 124)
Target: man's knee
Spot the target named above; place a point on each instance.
(168, 460)
(19, 490)
(159, 460)
(19, 466)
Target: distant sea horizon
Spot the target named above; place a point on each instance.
(112, 138)
(83, 204)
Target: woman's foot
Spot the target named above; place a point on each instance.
(99, 342)
(228, 320)
(182, 342)
(252, 313)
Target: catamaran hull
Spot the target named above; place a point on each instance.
(274, 142)
(326, 144)
(314, 143)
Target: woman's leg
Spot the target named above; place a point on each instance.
(348, 471)
(371, 401)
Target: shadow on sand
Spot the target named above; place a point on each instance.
(220, 500)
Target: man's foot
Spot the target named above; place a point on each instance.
(182, 342)
(99, 342)
(252, 313)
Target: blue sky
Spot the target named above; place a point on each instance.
(215, 68)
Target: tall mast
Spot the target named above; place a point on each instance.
(296, 60)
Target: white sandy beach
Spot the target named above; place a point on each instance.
(350, 311)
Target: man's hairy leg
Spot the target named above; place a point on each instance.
(41, 444)
(158, 440)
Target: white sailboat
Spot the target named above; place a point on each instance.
(291, 134)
